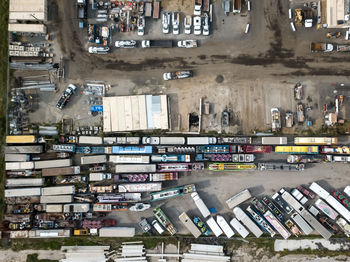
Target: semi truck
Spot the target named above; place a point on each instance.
(117, 231)
(157, 43)
(99, 176)
(341, 150)
(260, 220)
(52, 163)
(129, 150)
(277, 225)
(173, 192)
(164, 221)
(60, 171)
(90, 140)
(239, 227)
(326, 209)
(234, 140)
(129, 159)
(34, 149)
(24, 182)
(297, 149)
(238, 198)
(274, 140)
(213, 149)
(19, 165)
(88, 160)
(137, 168)
(200, 205)
(23, 192)
(275, 119)
(17, 157)
(201, 140)
(243, 217)
(171, 158)
(167, 140)
(266, 166)
(231, 167)
(58, 190)
(56, 199)
(187, 222)
(316, 140)
(321, 47)
(299, 220)
(214, 227)
(138, 187)
(179, 167)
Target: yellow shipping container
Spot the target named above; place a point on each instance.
(20, 139)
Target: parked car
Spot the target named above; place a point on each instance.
(188, 24)
(176, 23)
(166, 22)
(125, 44)
(197, 22)
(177, 75)
(187, 43)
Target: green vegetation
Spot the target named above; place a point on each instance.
(34, 258)
(3, 92)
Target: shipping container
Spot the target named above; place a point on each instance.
(52, 208)
(98, 159)
(132, 150)
(138, 168)
(297, 149)
(200, 205)
(20, 139)
(201, 140)
(239, 228)
(34, 149)
(57, 199)
(129, 159)
(188, 223)
(19, 165)
(52, 163)
(23, 192)
(49, 233)
(273, 140)
(238, 198)
(76, 208)
(60, 171)
(168, 140)
(214, 227)
(316, 141)
(90, 140)
(58, 190)
(24, 182)
(17, 157)
(117, 232)
(141, 187)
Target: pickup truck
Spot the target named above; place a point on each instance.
(156, 43)
(187, 43)
(321, 47)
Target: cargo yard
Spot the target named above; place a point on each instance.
(197, 119)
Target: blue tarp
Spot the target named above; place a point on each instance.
(96, 108)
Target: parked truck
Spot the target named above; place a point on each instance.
(99, 176)
(60, 171)
(187, 221)
(201, 140)
(197, 7)
(200, 205)
(275, 119)
(321, 47)
(234, 140)
(157, 43)
(58, 190)
(52, 163)
(164, 221)
(243, 217)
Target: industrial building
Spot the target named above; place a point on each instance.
(335, 14)
(27, 10)
(132, 113)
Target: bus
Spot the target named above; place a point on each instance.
(316, 140)
(296, 149)
(20, 139)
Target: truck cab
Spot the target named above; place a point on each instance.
(81, 232)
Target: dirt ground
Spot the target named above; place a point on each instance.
(246, 74)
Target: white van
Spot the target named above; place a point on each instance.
(158, 227)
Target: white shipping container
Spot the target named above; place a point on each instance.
(200, 205)
(238, 198)
(56, 199)
(273, 140)
(17, 157)
(224, 226)
(90, 140)
(302, 223)
(239, 227)
(129, 159)
(167, 140)
(143, 187)
(241, 216)
(51, 208)
(52, 163)
(135, 168)
(58, 190)
(214, 227)
(117, 232)
(19, 165)
(23, 182)
(21, 192)
(88, 160)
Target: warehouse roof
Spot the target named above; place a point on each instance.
(128, 113)
(28, 10)
(30, 28)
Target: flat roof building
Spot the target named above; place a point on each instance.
(335, 12)
(131, 113)
(28, 10)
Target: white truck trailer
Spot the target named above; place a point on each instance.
(90, 140)
(214, 227)
(129, 159)
(224, 226)
(300, 221)
(52, 163)
(200, 205)
(58, 190)
(24, 182)
(238, 198)
(201, 140)
(137, 168)
(56, 199)
(17, 157)
(188, 223)
(117, 232)
(23, 192)
(172, 140)
(239, 227)
(242, 217)
(89, 160)
(19, 165)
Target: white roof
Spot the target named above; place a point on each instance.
(33, 16)
(128, 113)
(31, 28)
(27, 6)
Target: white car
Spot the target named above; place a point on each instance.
(187, 43)
(125, 44)
(197, 22)
(166, 22)
(98, 49)
(176, 23)
(177, 75)
(141, 25)
(206, 25)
